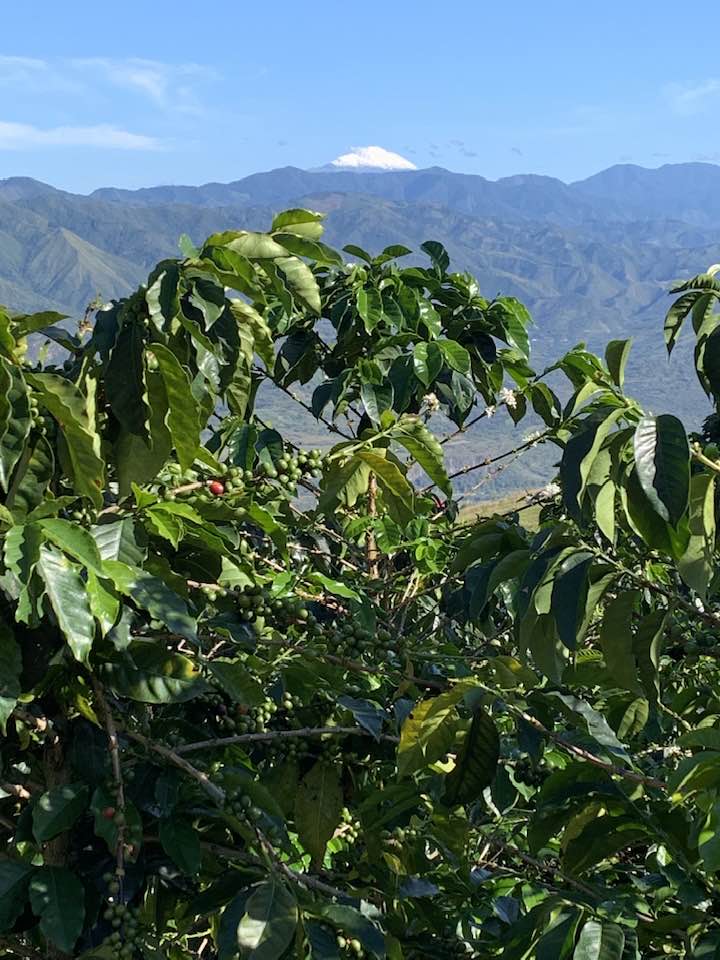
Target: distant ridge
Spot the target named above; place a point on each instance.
(685, 191)
(592, 259)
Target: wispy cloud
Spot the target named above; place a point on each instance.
(170, 86)
(31, 75)
(22, 136)
(165, 84)
(29, 64)
(693, 99)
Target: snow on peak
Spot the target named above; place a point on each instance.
(372, 158)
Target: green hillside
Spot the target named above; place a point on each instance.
(592, 261)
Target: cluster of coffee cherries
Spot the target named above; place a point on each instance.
(126, 938)
(242, 807)
(254, 601)
(289, 468)
(350, 947)
(288, 749)
(400, 835)
(354, 642)
(41, 424)
(132, 834)
(238, 718)
(252, 720)
(532, 775)
(286, 470)
(81, 513)
(350, 827)
(700, 643)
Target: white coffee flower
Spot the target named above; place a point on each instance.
(550, 491)
(532, 437)
(431, 402)
(489, 411)
(508, 397)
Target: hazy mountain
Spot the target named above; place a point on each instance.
(593, 259)
(685, 191)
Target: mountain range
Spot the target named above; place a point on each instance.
(592, 259)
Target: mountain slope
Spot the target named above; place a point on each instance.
(688, 191)
(682, 191)
(593, 260)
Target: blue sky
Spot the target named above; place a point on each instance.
(140, 93)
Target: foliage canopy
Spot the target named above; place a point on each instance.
(260, 702)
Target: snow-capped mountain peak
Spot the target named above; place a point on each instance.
(371, 158)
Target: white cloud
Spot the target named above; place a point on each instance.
(165, 84)
(376, 157)
(21, 136)
(21, 63)
(693, 99)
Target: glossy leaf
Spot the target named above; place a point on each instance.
(476, 761)
(318, 807)
(14, 881)
(600, 941)
(269, 922)
(616, 357)
(149, 674)
(237, 682)
(662, 458)
(428, 733)
(10, 671)
(66, 592)
(14, 419)
(65, 403)
(57, 898)
(152, 594)
(181, 842)
(57, 810)
(696, 565)
(125, 382)
(183, 415)
(425, 449)
(427, 361)
(355, 926)
(616, 640)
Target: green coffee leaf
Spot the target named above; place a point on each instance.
(57, 810)
(476, 762)
(318, 808)
(58, 899)
(662, 458)
(66, 592)
(268, 924)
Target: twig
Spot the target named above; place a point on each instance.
(675, 599)
(293, 396)
(270, 735)
(118, 777)
(577, 751)
(541, 867)
(311, 883)
(185, 488)
(466, 426)
(217, 794)
(371, 549)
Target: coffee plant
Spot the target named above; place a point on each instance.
(260, 701)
